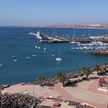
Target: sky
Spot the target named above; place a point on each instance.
(52, 12)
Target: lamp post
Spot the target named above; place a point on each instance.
(33, 89)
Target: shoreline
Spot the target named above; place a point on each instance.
(81, 92)
(61, 94)
(69, 75)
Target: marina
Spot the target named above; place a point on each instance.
(24, 57)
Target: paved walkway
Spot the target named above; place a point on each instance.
(66, 95)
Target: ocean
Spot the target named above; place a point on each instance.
(23, 57)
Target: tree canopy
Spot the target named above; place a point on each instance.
(40, 80)
(61, 77)
(86, 71)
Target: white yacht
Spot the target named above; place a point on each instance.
(58, 58)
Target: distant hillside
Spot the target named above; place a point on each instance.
(79, 26)
(96, 26)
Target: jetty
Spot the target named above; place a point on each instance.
(49, 39)
(103, 52)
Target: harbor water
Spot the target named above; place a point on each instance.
(23, 57)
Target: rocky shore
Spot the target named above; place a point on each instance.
(100, 52)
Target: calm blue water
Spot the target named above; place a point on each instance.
(17, 54)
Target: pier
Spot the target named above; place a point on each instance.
(46, 39)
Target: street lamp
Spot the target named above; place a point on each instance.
(33, 89)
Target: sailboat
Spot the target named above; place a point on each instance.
(58, 59)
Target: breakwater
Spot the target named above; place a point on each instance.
(100, 52)
(74, 40)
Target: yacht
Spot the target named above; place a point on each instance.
(58, 58)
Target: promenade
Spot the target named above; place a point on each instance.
(83, 92)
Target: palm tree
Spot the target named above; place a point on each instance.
(105, 66)
(86, 71)
(97, 68)
(61, 77)
(40, 80)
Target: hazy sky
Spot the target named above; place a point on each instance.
(45, 12)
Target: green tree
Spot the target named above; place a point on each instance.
(105, 66)
(61, 78)
(40, 80)
(97, 68)
(86, 71)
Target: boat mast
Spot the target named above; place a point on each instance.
(59, 52)
(73, 33)
(89, 32)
